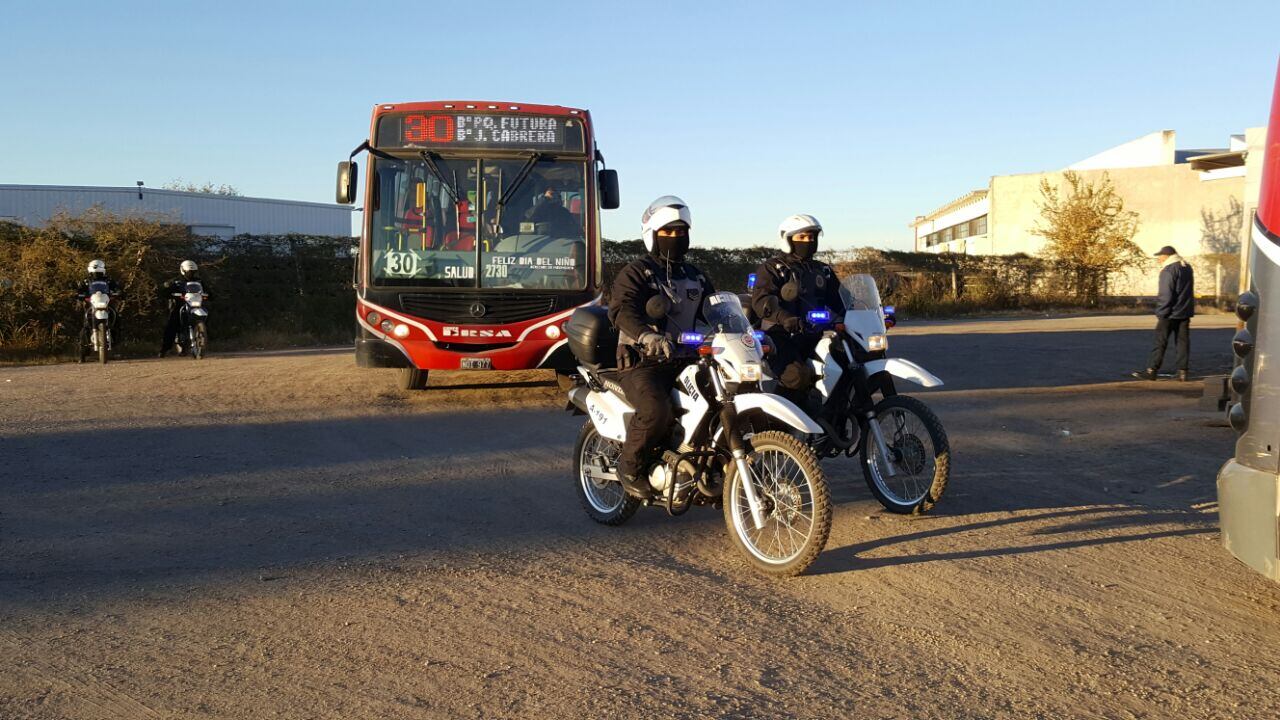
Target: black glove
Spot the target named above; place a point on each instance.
(793, 324)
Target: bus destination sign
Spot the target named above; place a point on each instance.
(480, 130)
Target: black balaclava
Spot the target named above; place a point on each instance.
(803, 251)
(670, 249)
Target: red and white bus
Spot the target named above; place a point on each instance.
(481, 235)
(1249, 483)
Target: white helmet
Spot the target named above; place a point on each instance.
(796, 224)
(187, 266)
(97, 266)
(661, 213)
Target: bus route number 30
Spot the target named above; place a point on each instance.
(402, 264)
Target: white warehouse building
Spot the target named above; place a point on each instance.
(207, 214)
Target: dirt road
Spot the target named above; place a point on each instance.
(286, 536)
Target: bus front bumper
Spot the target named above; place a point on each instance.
(1249, 510)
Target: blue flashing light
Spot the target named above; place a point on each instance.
(751, 281)
(888, 310)
(759, 335)
(819, 316)
(691, 338)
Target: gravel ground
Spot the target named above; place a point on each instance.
(284, 535)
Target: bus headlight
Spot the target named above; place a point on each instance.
(877, 343)
(401, 331)
(387, 326)
(553, 331)
(374, 318)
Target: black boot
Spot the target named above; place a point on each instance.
(636, 487)
(1148, 374)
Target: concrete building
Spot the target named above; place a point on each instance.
(1191, 199)
(206, 214)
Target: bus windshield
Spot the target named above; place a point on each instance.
(438, 222)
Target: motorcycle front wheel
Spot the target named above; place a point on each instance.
(605, 500)
(100, 339)
(796, 504)
(918, 453)
(197, 341)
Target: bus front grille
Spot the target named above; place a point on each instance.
(490, 308)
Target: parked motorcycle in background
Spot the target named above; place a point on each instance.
(901, 445)
(192, 329)
(103, 316)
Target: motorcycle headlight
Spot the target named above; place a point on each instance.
(100, 300)
(876, 343)
(750, 372)
(194, 299)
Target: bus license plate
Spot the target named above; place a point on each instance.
(477, 363)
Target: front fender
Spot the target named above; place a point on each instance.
(777, 407)
(904, 369)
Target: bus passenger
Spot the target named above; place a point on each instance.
(647, 338)
(547, 208)
(798, 283)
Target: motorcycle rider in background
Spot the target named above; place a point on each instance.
(652, 301)
(172, 291)
(97, 272)
(799, 283)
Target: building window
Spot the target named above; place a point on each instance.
(947, 235)
(962, 231)
(978, 226)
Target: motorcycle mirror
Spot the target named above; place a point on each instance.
(790, 291)
(658, 307)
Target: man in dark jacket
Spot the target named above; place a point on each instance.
(787, 287)
(1175, 306)
(648, 339)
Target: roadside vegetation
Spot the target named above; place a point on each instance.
(295, 290)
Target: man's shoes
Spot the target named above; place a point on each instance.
(635, 486)
(1182, 376)
(162, 353)
(1148, 374)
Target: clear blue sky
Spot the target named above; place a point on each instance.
(864, 114)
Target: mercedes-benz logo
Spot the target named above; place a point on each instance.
(478, 309)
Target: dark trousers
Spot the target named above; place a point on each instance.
(1164, 328)
(789, 363)
(171, 327)
(648, 389)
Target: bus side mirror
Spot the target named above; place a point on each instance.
(610, 198)
(348, 172)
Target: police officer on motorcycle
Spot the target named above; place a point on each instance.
(652, 301)
(97, 272)
(787, 287)
(172, 291)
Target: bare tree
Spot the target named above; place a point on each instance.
(1089, 234)
(208, 188)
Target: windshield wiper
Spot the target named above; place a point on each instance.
(520, 177)
(430, 160)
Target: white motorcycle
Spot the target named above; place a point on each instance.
(903, 448)
(192, 331)
(770, 484)
(99, 301)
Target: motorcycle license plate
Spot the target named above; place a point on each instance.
(477, 363)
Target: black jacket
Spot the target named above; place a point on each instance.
(818, 285)
(82, 289)
(1177, 299)
(633, 287)
(179, 285)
